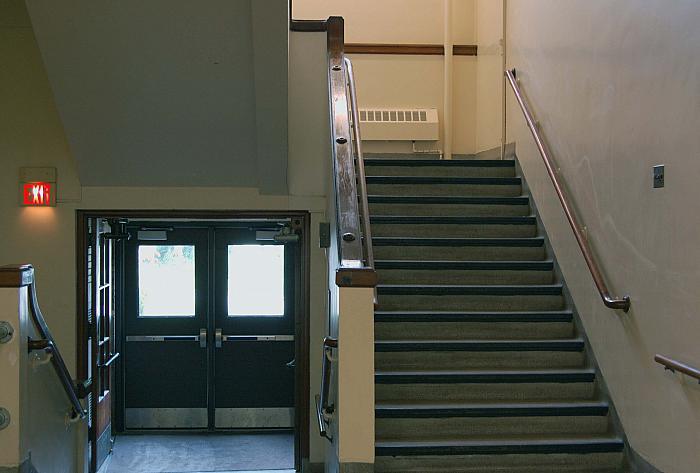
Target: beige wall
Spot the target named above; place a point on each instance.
(489, 74)
(407, 81)
(615, 88)
(32, 135)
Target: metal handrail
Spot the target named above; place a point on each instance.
(361, 176)
(609, 301)
(673, 366)
(323, 410)
(48, 345)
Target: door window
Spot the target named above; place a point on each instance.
(166, 280)
(256, 280)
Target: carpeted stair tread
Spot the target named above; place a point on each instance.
(572, 345)
(485, 376)
(426, 241)
(497, 163)
(446, 289)
(494, 409)
(437, 265)
(484, 317)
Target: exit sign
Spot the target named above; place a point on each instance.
(38, 194)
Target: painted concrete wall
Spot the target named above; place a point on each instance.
(615, 88)
(32, 135)
(489, 74)
(389, 81)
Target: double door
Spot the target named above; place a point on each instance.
(209, 328)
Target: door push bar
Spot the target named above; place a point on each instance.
(201, 338)
(220, 338)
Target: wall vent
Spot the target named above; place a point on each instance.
(400, 124)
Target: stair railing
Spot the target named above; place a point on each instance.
(611, 302)
(673, 366)
(360, 164)
(48, 346)
(351, 268)
(324, 411)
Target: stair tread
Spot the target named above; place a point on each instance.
(481, 317)
(454, 220)
(485, 200)
(469, 289)
(439, 162)
(490, 405)
(465, 241)
(574, 344)
(544, 265)
(488, 181)
(569, 439)
(451, 410)
(484, 376)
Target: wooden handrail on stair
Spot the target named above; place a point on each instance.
(611, 302)
(673, 365)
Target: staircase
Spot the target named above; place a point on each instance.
(480, 366)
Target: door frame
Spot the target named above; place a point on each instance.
(300, 219)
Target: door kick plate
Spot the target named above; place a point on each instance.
(258, 338)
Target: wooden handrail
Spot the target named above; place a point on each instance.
(673, 365)
(352, 269)
(611, 302)
(361, 176)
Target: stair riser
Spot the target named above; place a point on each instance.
(390, 302)
(471, 330)
(453, 230)
(459, 360)
(444, 210)
(437, 429)
(483, 392)
(468, 253)
(534, 463)
(506, 190)
(440, 171)
(412, 276)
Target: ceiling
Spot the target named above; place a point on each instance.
(170, 92)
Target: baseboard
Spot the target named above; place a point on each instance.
(356, 468)
(639, 464)
(25, 467)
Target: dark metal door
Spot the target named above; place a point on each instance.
(165, 327)
(254, 321)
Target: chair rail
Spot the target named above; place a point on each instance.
(47, 344)
(323, 409)
(361, 176)
(611, 302)
(673, 366)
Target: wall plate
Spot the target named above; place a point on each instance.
(658, 176)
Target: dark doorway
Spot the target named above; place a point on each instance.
(210, 326)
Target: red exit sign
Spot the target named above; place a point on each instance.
(38, 194)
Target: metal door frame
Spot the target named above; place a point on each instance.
(299, 219)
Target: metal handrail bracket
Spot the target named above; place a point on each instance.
(611, 302)
(323, 409)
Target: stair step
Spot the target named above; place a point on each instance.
(450, 226)
(447, 205)
(444, 186)
(475, 249)
(463, 290)
(464, 272)
(501, 446)
(574, 345)
(436, 325)
(482, 357)
(483, 376)
(530, 409)
(481, 317)
(444, 163)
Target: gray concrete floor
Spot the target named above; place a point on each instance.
(202, 453)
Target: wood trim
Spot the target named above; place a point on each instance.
(410, 49)
(308, 25)
(356, 277)
(16, 275)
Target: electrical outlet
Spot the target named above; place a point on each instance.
(659, 176)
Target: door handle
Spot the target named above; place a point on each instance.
(219, 338)
(202, 338)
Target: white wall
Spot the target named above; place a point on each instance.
(390, 81)
(32, 135)
(615, 88)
